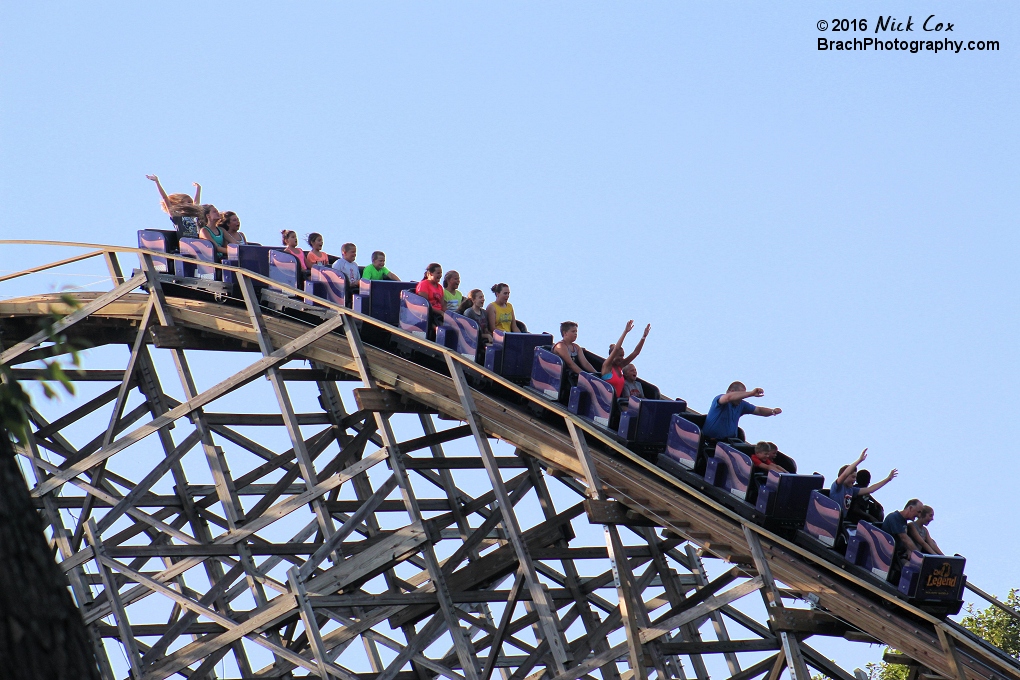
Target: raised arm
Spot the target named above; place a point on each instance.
(627, 329)
(198, 193)
(617, 351)
(851, 469)
(734, 396)
(637, 348)
(766, 411)
(162, 193)
(878, 485)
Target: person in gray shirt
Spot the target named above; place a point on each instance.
(473, 307)
(346, 265)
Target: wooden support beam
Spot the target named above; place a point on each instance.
(571, 578)
(386, 401)
(952, 657)
(127, 383)
(312, 629)
(508, 613)
(51, 265)
(263, 419)
(720, 647)
(304, 460)
(761, 667)
(80, 375)
(549, 622)
(333, 542)
(77, 414)
(824, 664)
(181, 338)
(113, 595)
(461, 641)
(810, 621)
(659, 630)
(632, 610)
(614, 512)
(8, 356)
(506, 462)
(239, 379)
(791, 646)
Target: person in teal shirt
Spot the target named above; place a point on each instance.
(377, 271)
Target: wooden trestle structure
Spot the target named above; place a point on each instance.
(355, 552)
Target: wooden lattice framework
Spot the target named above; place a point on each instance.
(354, 551)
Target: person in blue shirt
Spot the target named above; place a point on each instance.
(724, 415)
(843, 490)
(895, 524)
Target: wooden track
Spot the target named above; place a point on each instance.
(539, 430)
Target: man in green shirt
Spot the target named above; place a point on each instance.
(377, 271)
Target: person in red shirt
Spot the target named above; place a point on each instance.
(764, 456)
(612, 367)
(431, 289)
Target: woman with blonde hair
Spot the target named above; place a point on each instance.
(182, 208)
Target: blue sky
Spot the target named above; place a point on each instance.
(837, 228)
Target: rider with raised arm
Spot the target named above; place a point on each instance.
(843, 489)
(724, 415)
(612, 367)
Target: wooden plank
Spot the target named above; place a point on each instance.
(80, 375)
(51, 265)
(427, 505)
(613, 512)
(720, 647)
(264, 419)
(8, 356)
(385, 401)
(77, 414)
(158, 629)
(333, 542)
(460, 463)
(812, 621)
(181, 337)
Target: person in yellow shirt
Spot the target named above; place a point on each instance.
(501, 312)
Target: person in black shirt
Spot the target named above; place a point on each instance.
(863, 505)
(184, 210)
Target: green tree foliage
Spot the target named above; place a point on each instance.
(14, 401)
(992, 624)
(887, 671)
(998, 627)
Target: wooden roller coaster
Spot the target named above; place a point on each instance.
(358, 553)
